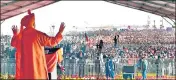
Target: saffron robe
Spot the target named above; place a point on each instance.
(33, 61)
(15, 41)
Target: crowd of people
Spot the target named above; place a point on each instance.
(131, 43)
(150, 36)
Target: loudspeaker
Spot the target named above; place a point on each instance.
(128, 72)
(128, 69)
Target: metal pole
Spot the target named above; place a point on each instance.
(53, 29)
(171, 20)
(2, 21)
(157, 72)
(167, 21)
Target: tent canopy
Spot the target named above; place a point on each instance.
(10, 8)
(164, 8)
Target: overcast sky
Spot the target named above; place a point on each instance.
(83, 14)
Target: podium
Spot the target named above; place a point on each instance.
(128, 72)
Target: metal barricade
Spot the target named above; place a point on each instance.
(87, 67)
(8, 66)
(91, 68)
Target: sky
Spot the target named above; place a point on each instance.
(82, 14)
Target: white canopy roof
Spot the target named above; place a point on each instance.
(10, 8)
(164, 8)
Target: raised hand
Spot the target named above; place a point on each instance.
(15, 30)
(62, 27)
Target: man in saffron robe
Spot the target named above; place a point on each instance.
(33, 62)
(15, 41)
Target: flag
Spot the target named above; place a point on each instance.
(87, 40)
(86, 37)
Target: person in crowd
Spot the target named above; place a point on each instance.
(115, 41)
(100, 46)
(109, 68)
(142, 66)
(158, 66)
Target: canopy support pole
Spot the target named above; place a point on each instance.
(168, 21)
(2, 21)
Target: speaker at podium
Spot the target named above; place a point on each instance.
(128, 72)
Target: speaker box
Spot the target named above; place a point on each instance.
(128, 69)
(128, 72)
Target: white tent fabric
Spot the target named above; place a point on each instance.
(10, 8)
(164, 8)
